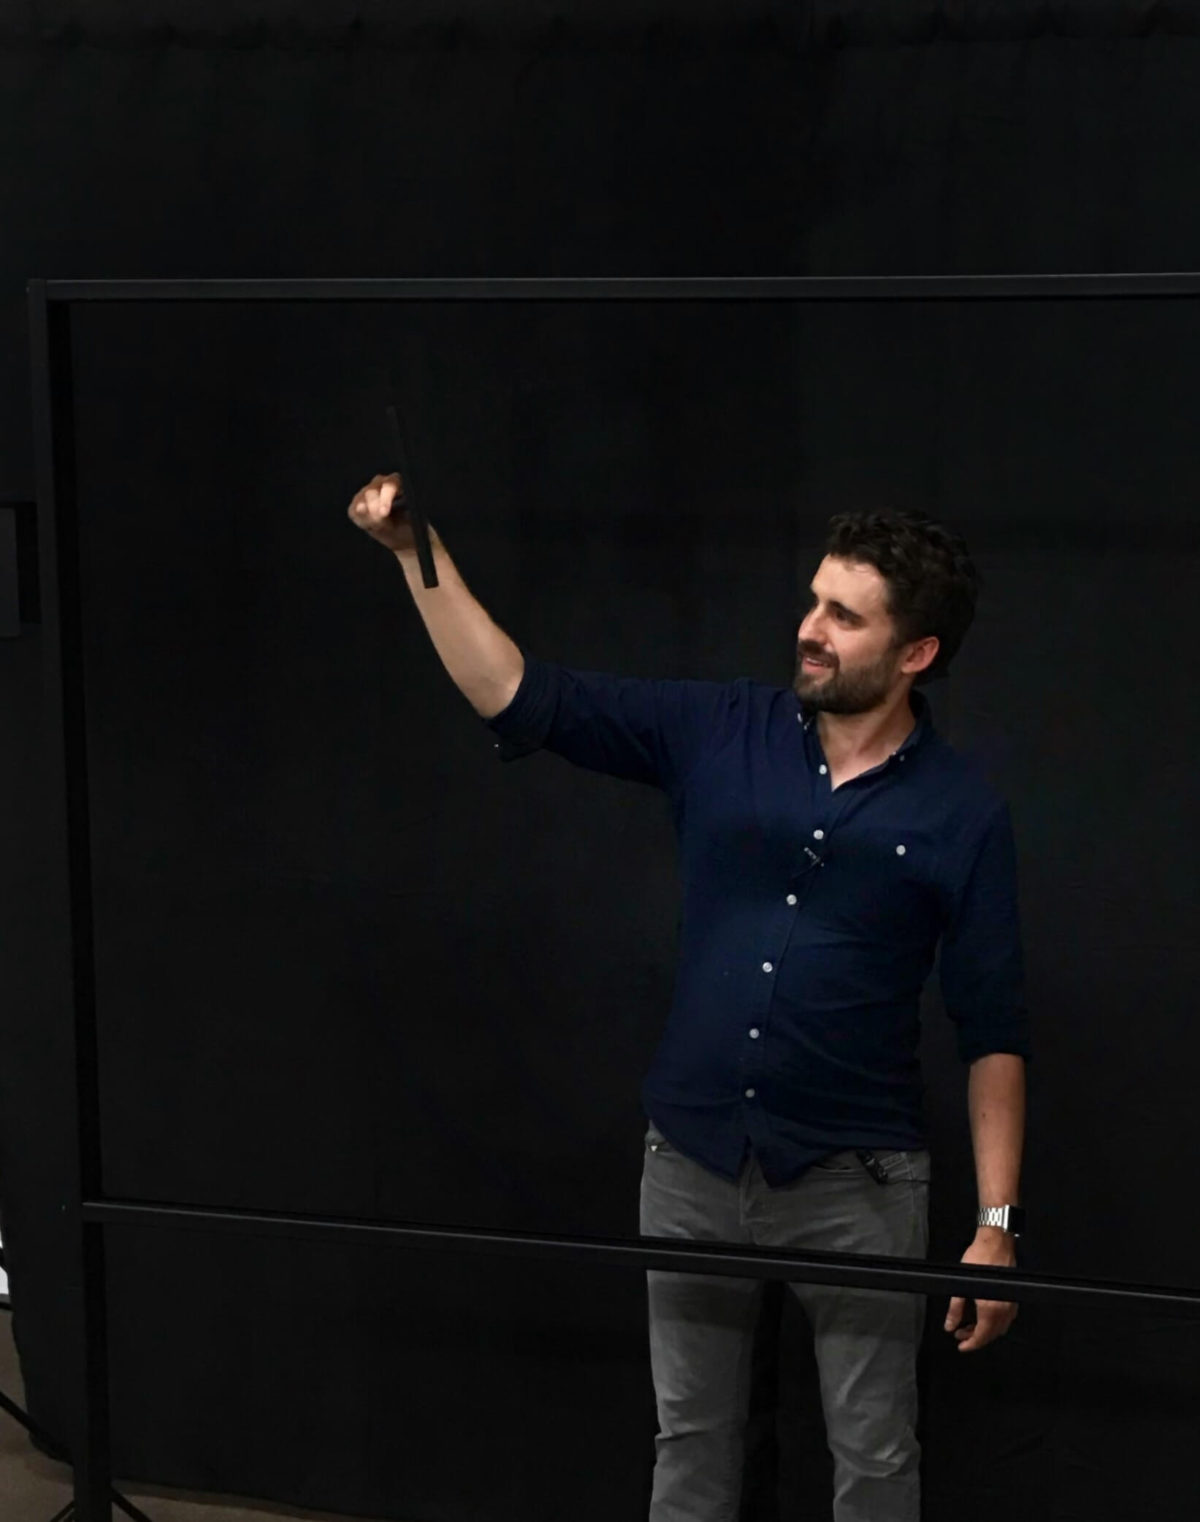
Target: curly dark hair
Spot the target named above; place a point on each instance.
(932, 583)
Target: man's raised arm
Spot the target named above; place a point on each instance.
(484, 664)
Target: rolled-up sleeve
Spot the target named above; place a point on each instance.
(644, 729)
(982, 964)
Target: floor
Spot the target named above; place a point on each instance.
(34, 1488)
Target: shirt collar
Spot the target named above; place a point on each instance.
(921, 712)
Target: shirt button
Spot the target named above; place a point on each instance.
(749, 1093)
(824, 769)
(818, 834)
(768, 967)
(754, 1033)
(900, 850)
(791, 898)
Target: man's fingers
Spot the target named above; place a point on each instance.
(955, 1314)
(993, 1319)
(360, 505)
(374, 502)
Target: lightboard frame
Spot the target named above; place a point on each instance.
(50, 307)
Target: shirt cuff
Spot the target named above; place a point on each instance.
(522, 727)
(1016, 1044)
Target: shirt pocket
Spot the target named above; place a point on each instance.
(887, 880)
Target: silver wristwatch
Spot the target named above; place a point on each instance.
(1007, 1217)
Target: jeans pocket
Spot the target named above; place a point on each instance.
(839, 1162)
(916, 1164)
(891, 1165)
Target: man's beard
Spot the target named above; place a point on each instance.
(856, 691)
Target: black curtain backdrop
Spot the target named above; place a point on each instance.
(346, 960)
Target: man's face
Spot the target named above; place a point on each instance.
(847, 657)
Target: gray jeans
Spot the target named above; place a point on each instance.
(702, 1329)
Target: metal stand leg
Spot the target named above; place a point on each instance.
(68, 1512)
(93, 1471)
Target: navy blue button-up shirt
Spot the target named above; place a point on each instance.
(811, 915)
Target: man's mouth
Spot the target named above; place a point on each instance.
(818, 665)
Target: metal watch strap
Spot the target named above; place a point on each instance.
(1007, 1217)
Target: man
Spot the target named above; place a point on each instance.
(829, 841)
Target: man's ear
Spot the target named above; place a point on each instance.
(921, 655)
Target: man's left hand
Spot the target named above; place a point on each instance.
(992, 1248)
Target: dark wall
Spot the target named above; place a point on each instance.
(344, 961)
